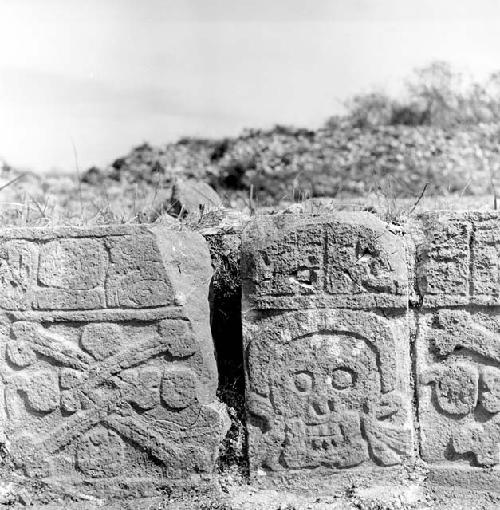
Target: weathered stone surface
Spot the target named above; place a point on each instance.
(458, 376)
(457, 348)
(41, 270)
(192, 197)
(119, 392)
(72, 264)
(458, 259)
(327, 386)
(304, 261)
(18, 260)
(136, 275)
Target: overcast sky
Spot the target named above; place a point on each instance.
(109, 74)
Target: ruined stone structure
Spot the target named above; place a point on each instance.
(368, 347)
(107, 363)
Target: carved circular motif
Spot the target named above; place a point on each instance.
(42, 391)
(303, 382)
(20, 354)
(100, 453)
(490, 397)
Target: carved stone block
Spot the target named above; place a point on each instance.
(121, 392)
(347, 260)
(327, 386)
(458, 259)
(458, 376)
(329, 389)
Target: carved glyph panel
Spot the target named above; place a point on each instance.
(458, 259)
(83, 273)
(341, 261)
(458, 369)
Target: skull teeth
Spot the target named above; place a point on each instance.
(322, 430)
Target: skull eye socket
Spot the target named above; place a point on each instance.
(303, 382)
(343, 378)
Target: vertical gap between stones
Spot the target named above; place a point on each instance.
(471, 261)
(413, 309)
(225, 319)
(414, 317)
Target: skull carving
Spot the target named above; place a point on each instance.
(327, 397)
(332, 378)
(460, 387)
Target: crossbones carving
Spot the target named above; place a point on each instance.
(107, 385)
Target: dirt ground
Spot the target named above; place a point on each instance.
(408, 497)
(233, 492)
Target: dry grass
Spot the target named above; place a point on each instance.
(29, 200)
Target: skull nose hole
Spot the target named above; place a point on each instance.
(320, 408)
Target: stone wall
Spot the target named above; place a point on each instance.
(370, 351)
(370, 348)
